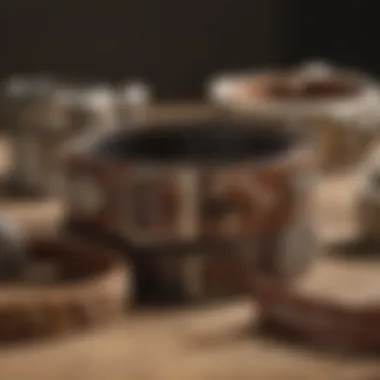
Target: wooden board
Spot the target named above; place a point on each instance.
(205, 343)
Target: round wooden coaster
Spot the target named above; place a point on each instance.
(70, 284)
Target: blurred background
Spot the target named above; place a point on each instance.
(176, 45)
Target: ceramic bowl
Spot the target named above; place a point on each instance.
(338, 107)
(192, 199)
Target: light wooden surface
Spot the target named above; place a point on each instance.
(205, 343)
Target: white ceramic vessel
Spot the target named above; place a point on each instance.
(339, 107)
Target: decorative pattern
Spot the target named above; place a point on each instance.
(238, 202)
(153, 210)
(188, 222)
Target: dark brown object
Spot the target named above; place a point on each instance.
(190, 199)
(92, 290)
(286, 86)
(322, 323)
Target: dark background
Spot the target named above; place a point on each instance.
(176, 45)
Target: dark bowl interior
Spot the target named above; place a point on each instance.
(313, 89)
(293, 86)
(195, 142)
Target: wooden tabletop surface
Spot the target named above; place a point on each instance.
(213, 342)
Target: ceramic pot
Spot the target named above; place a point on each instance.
(192, 200)
(338, 107)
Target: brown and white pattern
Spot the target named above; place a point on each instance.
(162, 206)
(338, 107)
(186, 204)
(190, 220)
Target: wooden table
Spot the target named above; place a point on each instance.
(214, 342)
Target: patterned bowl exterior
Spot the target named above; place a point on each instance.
(190, 224)
(368, 196)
